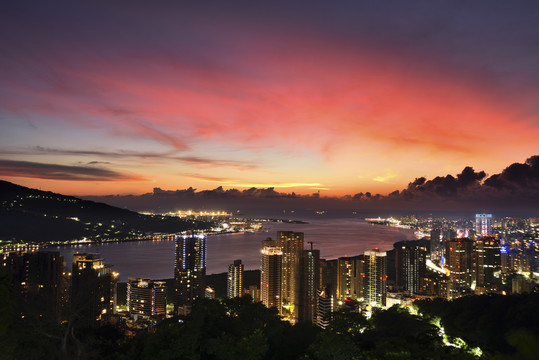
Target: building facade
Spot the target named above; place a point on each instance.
(375, 286)
(38, 281)
(93, 290)
(189, 271)
(146, 297)
(271, 275)
(483, 224)
(234, 281)
(291, 244)
(410, 267)
(350, 277)
(459, 262)
(488, 265)
(309, 285)
(324, 307)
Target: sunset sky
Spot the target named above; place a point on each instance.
(119, 97)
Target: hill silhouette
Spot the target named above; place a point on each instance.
(30, 215)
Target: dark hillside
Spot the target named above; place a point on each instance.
(32, 215)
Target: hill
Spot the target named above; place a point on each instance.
(30, 215)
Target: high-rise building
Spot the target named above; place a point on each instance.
(291, 244)
(309, 284)
(483, 225)
(487, 264)
(324, 308)
(459, 261)
(235, 279)
(435, 239)
(410, 266)
(375, 277)
(93, 290)
(350, 271)
(435, 284)
(146, 297)
(37, 280)
(328, 276)
(270, 275)
(190, 271)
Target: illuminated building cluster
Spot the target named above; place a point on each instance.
(290, 277)
(303, 287)
(483, 255)
(456, 259)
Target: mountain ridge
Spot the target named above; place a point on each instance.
(31, 215)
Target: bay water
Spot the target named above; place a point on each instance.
(334, 237)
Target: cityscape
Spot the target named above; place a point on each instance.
(310, 180)
(451, 259)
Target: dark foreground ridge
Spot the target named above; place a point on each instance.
(476, 327)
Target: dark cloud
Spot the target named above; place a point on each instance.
(514, 191)
(220, 192)
(27, 169)
(442, 186)
(127, 154)
(515, 188)
(517, 176)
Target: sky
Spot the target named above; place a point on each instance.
(341, 97)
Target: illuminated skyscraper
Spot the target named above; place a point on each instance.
(93, 290)
(146, 297)
(435, 240)
(410, 266)
(324, 308)
(270, 275)
(235, 279)
(329, 276)
(309, 284)
(487, 264)
(483, 225)
(459, 261)
(350, 271)
(375, 277)
(291, 244)
(190, 271)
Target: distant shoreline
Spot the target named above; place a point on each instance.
(145, 238)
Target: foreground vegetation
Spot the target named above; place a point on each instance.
(497, 327)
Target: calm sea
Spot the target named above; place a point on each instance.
(155, 259)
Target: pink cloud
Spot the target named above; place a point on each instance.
(302, 96)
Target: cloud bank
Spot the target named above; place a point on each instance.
(513, 191)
